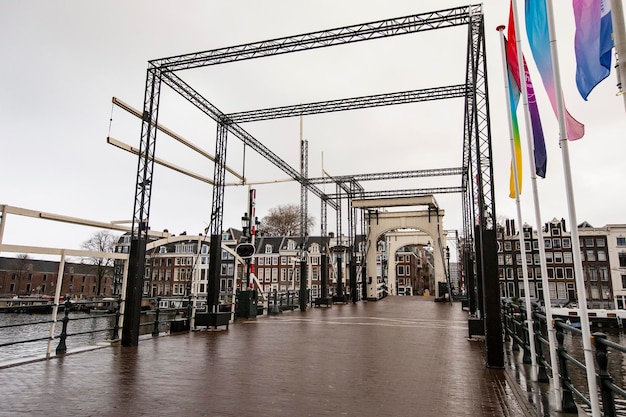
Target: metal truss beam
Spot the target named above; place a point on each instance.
(419, 173)
(348, 34)
(379, 100)
(418, 192)
(195, 98)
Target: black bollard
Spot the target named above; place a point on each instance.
(275, 309)
(602, 358)
(567, 402)
(155, 329)
(62, 348)
(116, 326)
(542, 374)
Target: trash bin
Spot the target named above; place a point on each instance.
(179, 325)
(247, 304)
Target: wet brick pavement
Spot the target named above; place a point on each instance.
(401, 356)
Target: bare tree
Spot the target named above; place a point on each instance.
(21, 265)
(284, 220)
(102, 241)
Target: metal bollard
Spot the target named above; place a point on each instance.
(525, 336)
(542, 375)
(116, 326)
(602, 358)
(62, 348)
(567, 401)
(275, 309)
(155, 329)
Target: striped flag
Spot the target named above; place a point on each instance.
(535, 120)
(593, 43)
(539, 39)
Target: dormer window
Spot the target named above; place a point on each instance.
(291, 245)
(268, 248)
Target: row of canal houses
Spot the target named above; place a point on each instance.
(181, 268)
(602, 253)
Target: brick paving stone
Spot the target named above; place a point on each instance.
(401, 356)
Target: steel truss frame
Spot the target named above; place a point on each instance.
(477, 183)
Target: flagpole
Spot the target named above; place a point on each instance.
(529, 310)
(619, 39)
(569, 193)
(556, 381)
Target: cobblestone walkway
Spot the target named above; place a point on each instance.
(401, 356)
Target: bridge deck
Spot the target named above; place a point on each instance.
(401, 356)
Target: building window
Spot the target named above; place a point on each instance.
(567, 257)
(600, 242)
(588, 241)
(622, 259)
(268, 248)
(601, 255)
(556, 231)
(508, 259)
(547, 243)
(509, 273)
(559, 273)
(550, 273)
(549, 257)
(400, 270)
(593, 274)
(291, 245)
(507, 245)
(274, 274)
(558, 257)
(604, 273)
(569, 273)
(567, 243)
(623, 282)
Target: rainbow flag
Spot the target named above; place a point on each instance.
(540, 155)
(514, 94)
(539, 39)
(593, 43)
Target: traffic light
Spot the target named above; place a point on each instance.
(245, 250)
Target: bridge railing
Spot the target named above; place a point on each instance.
(277, 302)
(82, 323)
(516, 330)
(85, 321)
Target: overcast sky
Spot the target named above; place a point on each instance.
(63, 61)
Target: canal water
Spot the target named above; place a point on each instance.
(617, 364)
(84, 329)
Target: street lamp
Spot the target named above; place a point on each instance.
(448, 273)
(339, 250)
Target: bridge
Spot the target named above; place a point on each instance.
(399, 356)
(392, 357)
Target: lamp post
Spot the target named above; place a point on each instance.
(448, 273)
(339, 296)
(245, 226)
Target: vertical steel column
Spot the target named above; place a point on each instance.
(304, 232)
(141, 209)
(352, 240)
(478, 129)
(324, 252)
(217, 215)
